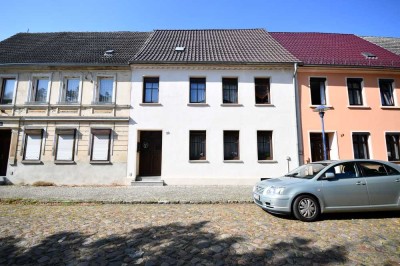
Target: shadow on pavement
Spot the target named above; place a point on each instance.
(175, 244)
(361, 215)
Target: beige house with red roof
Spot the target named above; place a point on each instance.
(360, 84)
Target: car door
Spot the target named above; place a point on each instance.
(346, 190)
(383, 183)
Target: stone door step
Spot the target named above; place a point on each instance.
(148, 183)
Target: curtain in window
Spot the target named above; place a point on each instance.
(355, 91)
(262, 91)
(197, 90)
(360, 146)
(230, 90)
(386, 90)
(264, 145)
(393, 147)
(197, 145)
(231, 145)
(317, 89)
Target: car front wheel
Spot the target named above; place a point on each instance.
(306, 208)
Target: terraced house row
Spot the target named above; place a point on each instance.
(191, 106)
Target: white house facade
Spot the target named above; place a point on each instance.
(213, 121)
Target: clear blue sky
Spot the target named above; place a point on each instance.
(362, 17)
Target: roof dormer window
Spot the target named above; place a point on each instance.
(369, 55)
(180, 48)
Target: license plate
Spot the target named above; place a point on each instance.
(256, 196)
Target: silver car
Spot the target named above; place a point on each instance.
(331, 186)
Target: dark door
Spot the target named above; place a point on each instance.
(150, 153)
(317, 150)
(5, 139)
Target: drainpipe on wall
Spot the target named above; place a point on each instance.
(298, 117)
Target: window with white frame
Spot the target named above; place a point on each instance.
(360, 145)
(101, 140)
(105, 90)
(40, 87)
(264, 145)
(386, 89)
(393, 146)
(197, 148)
(70, 90)
(197, 90)
(354, 87)
(33, 144)
(150, 90)
(230, 90)
(231, 145)
(65, 144)
(7, 90)
(317, 89)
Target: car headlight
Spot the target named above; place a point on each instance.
(273, 190)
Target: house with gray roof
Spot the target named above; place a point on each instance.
(65, 106)
(389, 43)
(212, 107)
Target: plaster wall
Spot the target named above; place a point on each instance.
(175, 117)
(344, 119)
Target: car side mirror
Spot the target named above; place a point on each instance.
(329, 175)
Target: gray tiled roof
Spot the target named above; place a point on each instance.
(243, 46)
(389, 43)
(71, 48)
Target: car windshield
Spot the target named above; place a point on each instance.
(307, 171)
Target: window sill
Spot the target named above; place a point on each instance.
(198, 104)
(150, 104)
(390, 107)
(37, 105)
(232, 105)
(64, 162)
(31, 162)
(264, 105)
(100, 162)
(65, 104)
(315, 106)
(267, 161)
(359, 107)
(199, 161)
(102, 105)
(233, 161)
(6, 106)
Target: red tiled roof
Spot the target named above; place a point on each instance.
(335, 49)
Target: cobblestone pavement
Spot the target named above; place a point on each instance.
(165, 194)
(190, 234)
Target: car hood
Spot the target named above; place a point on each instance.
(282, 181)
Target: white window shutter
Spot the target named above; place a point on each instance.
(65, 147)
(100, 147)
(32, 149)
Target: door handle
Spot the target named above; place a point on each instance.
(360, 183)
(398, 180)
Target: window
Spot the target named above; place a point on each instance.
(33, 144)
(40, 90)
(65, 144)
(360, 145)
(7, 90)
(230, 90)
(355, 91)
(105, 90)
(100, 145)
(386, 89)
(262, 91)
(264, 145)
(197, 145)
(317, 87)
(150, 90)
(393, 146)
(231, 145)
(70, 92)
(197, 90)
(373, 169)
(344, 170)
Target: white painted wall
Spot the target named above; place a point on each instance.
(175, 118)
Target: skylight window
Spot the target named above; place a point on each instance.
(180, 48)
(109, 53)
(369, 55)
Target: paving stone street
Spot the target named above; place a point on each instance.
(190, 234)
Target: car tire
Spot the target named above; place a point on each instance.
(306, 208)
